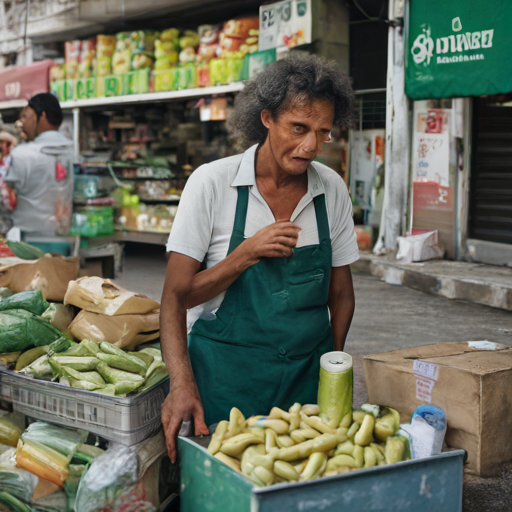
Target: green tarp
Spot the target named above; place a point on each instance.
(457, 48)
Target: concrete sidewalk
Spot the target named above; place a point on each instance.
(484, 284)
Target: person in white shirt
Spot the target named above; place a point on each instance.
(274, 231)
(41, 170)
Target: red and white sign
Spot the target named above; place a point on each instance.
(23, 82)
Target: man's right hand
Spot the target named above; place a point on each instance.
(182, 404)
(274, 241)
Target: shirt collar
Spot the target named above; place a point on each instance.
(246, 176)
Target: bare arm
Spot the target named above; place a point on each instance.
(341, 304)
(276, 240)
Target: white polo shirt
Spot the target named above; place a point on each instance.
(204, 223)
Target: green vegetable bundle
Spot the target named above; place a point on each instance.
(99, 367)
(21, 330)
(31, 300)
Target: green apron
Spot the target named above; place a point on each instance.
(263, 348)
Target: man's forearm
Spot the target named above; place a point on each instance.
(341, 321)
(173, 336)
(209, 283)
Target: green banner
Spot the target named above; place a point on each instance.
(458, 48)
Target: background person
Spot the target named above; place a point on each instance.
(41, 171)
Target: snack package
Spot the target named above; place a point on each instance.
(72, 51)
(99, 295)
(87, 58)
(166, 49)
(122, 57)
(189, 38)
(105, 46)
(57, 72)
(187, 76)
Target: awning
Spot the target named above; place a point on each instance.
(457, 48)
(22, 82)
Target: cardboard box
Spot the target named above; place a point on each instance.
(470, 381)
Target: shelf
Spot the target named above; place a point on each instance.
(159, 201)
(153, 96)
(145, 237)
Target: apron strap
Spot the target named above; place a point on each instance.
(322, 220)
(238, 235)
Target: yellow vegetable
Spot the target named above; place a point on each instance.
(286, 471)
(236, 422)
(346, 421)
(246, 462)
(263, 474)
(358, 455)
(234, 446)
(218, 437)
(315, 466)
(370, 458)
(310, 410)
(352, 431)
(229, 461)
(364, 435)
(284, 441)
(346, 448)
(280, 427)
(340, 461)
(278, 414)
(316, 423)
(358, 416)
(270, 439)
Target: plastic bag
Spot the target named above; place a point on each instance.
(103, 296)
(124, 331)
(50, 274)
(419, 248)
(66, 441)
(115, 480)
(59, 316)
(32, 301)
(21, 330)
(42, 461)
(11, 428)
(17, 482)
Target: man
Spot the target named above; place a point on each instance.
(276, 232)
(41, 170)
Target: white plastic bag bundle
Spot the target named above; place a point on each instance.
(419, 248)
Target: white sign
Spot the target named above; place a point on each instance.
(285, 24)
(432, 158)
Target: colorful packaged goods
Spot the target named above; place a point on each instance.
(166, 49)
(87, 58)
(105, 46)
(122, 57)
(72, 51)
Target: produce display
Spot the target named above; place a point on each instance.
(43, 459)
(144, 60)
(299, 445)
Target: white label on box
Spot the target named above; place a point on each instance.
(423, 369)
(424, 389)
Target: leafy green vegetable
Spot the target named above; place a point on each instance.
(31, 300)
(21, 330)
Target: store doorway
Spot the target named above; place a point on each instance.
(490, 207)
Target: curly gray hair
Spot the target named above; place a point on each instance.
(289, 81)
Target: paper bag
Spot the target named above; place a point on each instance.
(419, 247)
(124, 331)
(50, 274)
(99, 295)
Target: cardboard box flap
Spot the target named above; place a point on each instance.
(403, 357)
(478, 362)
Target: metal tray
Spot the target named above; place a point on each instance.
(127, 420)
(432, 484)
